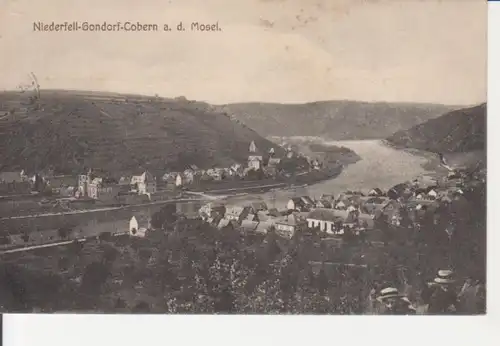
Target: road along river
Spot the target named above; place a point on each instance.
(380, 166)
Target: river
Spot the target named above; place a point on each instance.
(380, 166)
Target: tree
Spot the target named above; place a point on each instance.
(272, 249)
(63, 232)
(109, 254)
(322, 281)
(141, 307)
(5, 240)
(94, 277)
(120, 303)
(167, 215)
(63, 263)
(220, 282)
(105, 236)
(145, 254)
(76, 247)
(164, 274)
(25, 237)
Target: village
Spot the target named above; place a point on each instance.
(89, 205)
(37, 205)
(351, 229)
(107, 188)
(421, 217)
(350, 212)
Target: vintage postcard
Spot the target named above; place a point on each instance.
(243, 156)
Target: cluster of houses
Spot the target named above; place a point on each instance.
(91, 185)
(349, 211)
(86, 185)
(17, 182)
(257, 161)
(325, 213)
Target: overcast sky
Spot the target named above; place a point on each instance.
(269, 50)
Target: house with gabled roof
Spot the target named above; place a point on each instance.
(432, 194)
(326, 219)
(332, 221)
(188, 176)
(248, 225)
(323, 203)
(340, 205)
(144, 183)
(228, 223)
(236, 169)
(375, 192)
(399, 190)
(273, 162)
(138, 225)
(264, 226)
(289, 224)
(371, 204)
(254, 162)
(237, 213)
(303, 203)
(62, 184)
(258, 206)
(213, 208)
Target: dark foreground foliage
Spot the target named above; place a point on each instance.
(191, 267)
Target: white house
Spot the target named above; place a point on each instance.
(340, 206)
(215, 173)
(144, 183)
(139, 225)
(254, 162)
(432, 194)
(288, 225)
(328, 219)
(211, 208)
(315, 164)
(274, 162)
(93, 188)
(237, 213)
(303, 203)
(325, 219)
(178, 180)
(236, 168)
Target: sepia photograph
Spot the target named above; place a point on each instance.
(270, 157)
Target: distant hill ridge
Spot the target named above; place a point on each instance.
(458, 131)
(117, 133)
(335, 120)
